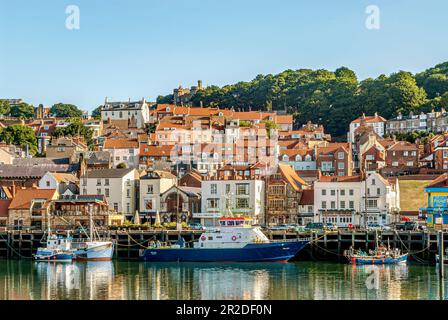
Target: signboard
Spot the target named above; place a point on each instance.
(439, 220)
(439, 201)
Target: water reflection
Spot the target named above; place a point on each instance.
(145, 281)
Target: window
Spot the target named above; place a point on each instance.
(351, 204)
(378, 191)
(343, 192)
(242, 189)
(84, 181)
(98, 182)
(276, 204)
(116, 206)
(341, 165)
(395, 164)
(332, 192)
(410, 163)
(117, 158)
(212, 203)
(213, 188)
(84, 191)
(278, 190)
(333, 205)
(372, 203)
(340, 155)
(373, 182)
(342, 204)
(128, 208)
(47, 183)
(324, 205)
(150, 189)
(350, 192)
(242, 203)
(128, 193)
(324, 192)
(106, 192)
(369, 157)
(98, 191)
(227, 188)
(228, 203)
(405, 153)
(106, 182)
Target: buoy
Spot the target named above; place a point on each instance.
(233, 238)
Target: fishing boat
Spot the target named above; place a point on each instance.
(380, 255)
(235, 240)
(57, 248)
(95, 249)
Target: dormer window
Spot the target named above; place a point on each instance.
(168, 109)
(285, 158)
(298, 157)
(307, 157)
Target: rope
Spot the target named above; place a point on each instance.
(413, 254)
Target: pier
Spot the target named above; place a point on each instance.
(328, 246)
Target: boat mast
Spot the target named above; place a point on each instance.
(90, 222)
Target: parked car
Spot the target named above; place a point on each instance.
(196, 226)
(376, 226)
(314, 226)
(409, 226)
(296, 228)
(330, 227)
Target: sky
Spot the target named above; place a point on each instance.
(145, 48)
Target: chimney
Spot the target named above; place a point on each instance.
(13, 189)
(199, 84)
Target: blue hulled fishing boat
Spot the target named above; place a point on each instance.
(57, 248)
(381, 255)
(234, 241)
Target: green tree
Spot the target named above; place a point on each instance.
(21, 136)
(96, 113)
(5, 108)
(75, 129)
(22, 110)
(63, 110)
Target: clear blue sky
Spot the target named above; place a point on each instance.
(143, 48)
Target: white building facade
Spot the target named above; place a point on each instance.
(234, 197)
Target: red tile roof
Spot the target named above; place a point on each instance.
(120, 144)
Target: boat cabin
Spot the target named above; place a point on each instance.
(54, 242)
(235, 222)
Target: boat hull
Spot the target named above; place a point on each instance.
(101, 252)
(58, 257)
(277, 251)
(402, 259)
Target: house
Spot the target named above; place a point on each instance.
(95, 159)
(337, 200)
(150, 154)
(71, 211)
(9, 152)
(31, 207)
(306, 207)
(64, 183)
(117, 185)
(283, 193)
(65, 147)
(123, 151)
(152, 185)
(401, 157)
(238, 191)
(354, 201)
(299, 159)
(179, 204)
(334, 159)
(376, 122)
(6, 196)
(130, 114)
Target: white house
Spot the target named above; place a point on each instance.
(65, 183)
(123, 151)
(299, 159)
(134, 113)
(118, 185)
(337, 200)
(383, 199)
(377, 122)
(152, 185)
(233, 197)
(342, 200)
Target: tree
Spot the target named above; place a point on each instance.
(21, 136)
(75, 129)
(5, 108)
(96, 113)
(22, 110)
(122, 165)
(62, 110)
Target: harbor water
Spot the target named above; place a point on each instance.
(29, 280)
